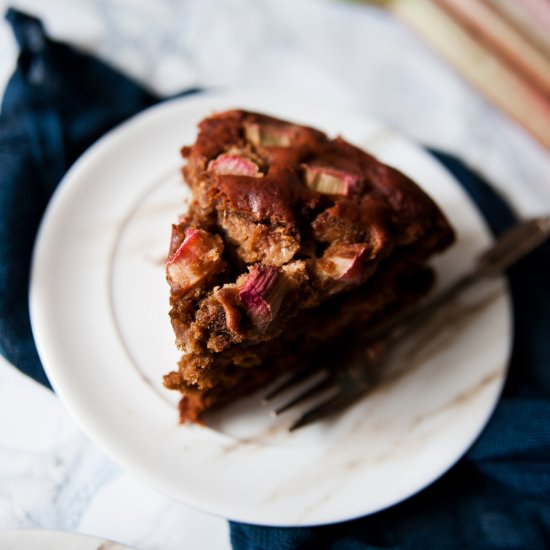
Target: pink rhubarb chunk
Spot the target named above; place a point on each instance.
(197, 257)
(262, 294)
(346, 263)
(270, 135)
(330, 181)
(234, 165)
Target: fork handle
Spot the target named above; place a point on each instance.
(394, 328)
(510, 247)
(420, 314)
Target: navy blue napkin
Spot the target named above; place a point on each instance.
(59, 101)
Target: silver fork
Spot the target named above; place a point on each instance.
(335, 389)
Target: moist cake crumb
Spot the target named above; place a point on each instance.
(294, 243)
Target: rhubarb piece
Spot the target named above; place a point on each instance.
(262, 294)
(317, 237)
(195, 259)
(330, 181)
(178, 236)
(270, 135)
(344, 263)
(234, 165)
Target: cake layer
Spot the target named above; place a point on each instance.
(292, 239)
(315, 336)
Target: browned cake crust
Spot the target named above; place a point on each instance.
(293, 242)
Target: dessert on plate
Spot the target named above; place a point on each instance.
(293, 245)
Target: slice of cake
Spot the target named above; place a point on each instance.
(294, 243)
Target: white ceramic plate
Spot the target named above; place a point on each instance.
(54, 540)
(99, 306)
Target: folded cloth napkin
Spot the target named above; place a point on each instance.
(498, 496)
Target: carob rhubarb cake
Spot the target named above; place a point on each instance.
(293, 244)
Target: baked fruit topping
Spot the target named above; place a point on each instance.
(294, 243)
(198, 255)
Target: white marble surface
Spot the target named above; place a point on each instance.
(51, 475)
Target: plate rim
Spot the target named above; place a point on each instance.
(88, 157)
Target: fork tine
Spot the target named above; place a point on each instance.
(515, 243)
(322, 410)
(324, 384)
(295, 379)
(349, 392)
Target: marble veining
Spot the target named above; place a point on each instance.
(169, 177)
